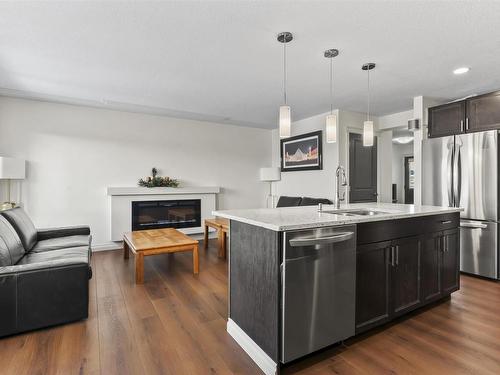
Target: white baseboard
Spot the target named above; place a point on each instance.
(119, 245)
(266, 364)
(107, 246)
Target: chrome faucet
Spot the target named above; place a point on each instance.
(340, 173)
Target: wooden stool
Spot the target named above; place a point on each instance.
(157, 241)
(222, 227)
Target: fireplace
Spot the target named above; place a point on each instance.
(182, 213)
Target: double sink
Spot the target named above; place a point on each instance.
(354, 212)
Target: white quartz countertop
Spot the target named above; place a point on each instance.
(292, 218)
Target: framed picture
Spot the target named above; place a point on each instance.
(302, 152)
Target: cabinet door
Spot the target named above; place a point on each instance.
(447, 119)
(430, 281)
(483, 112)
(450, 261)
(406, 274)
(372, 285)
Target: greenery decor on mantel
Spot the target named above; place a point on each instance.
(158, 181)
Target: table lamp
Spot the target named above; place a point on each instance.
(11, 169)
(270, 175)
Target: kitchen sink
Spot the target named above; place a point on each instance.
(363, 212)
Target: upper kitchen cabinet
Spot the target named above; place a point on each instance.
(447, 119)
(475, 114)
(483, 112)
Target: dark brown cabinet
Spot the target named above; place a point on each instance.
(483, 112)
(387, 281)
(417, 264)
(405, 274)
(447, 119)
(440, 264)
(431, 267)
(450, 265)
(478, 113)
(372, 284)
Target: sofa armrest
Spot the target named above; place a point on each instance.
(47, 233)
(43, 294)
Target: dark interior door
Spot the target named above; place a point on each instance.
(362, 170)
(409, 179)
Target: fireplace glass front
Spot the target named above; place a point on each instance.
(183, 213)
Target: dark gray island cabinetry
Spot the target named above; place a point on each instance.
(298, 285)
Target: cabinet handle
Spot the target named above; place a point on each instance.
(467, 124)
(446, 222)
(462, 126)
(445, 244)
(397, 255)
(392, 256)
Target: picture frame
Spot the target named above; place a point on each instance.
(302, 152)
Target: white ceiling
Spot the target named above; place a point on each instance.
(220, 61)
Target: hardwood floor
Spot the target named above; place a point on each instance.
(174, 323)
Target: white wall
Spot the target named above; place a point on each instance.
(398, 167)
(385, 172)
(316, 183)
(320, 183)
(75, 152)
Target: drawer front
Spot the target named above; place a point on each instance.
(392, 229)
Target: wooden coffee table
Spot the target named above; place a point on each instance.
(157, 241)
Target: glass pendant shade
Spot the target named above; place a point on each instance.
(331, 128)
(285, 121)
(368, 133)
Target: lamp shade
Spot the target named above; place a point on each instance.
(285, 121)
(368, 133)
(270, 174)
(331, 128)
(11, 168)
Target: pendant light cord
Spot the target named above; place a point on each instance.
(331, 85)
(284, 71)
(368, 113)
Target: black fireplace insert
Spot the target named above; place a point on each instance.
(183, 213)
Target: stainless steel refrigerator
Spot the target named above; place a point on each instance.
(462, 171)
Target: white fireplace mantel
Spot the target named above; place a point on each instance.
(163, 190)
(121, 199)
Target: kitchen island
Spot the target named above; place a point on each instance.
(302, 279)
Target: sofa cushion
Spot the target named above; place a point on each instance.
(11, 248)
(61, 243)
(23, 226)
(306, 201)
(285, 201)
(73, 255)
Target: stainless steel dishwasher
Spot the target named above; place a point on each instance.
(318, 274)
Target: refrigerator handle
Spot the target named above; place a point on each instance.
(457, 176)
(449, 182)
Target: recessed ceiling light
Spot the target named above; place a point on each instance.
(461, 70)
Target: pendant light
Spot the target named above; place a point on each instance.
(368, 125)
(331, 119)
(285, 118)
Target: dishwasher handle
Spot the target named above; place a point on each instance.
(312, 241)
(470, 224)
